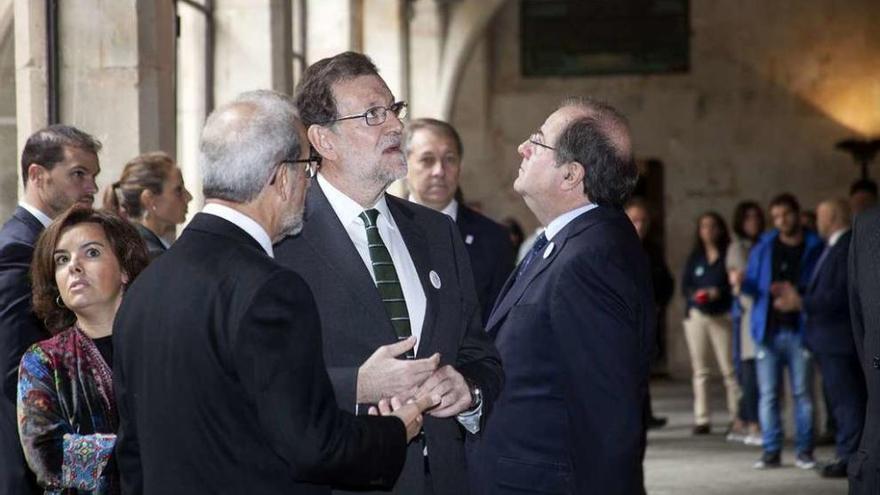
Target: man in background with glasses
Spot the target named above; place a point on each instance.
(574, 325)
(392, 280)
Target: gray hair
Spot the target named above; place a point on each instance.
(243, 141)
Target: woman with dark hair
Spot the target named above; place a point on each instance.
(707, 326)
(748, 225)
(67, 417)
(151, 195)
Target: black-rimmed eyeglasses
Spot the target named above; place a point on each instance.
(537, 139)
(376, 115)
(311, 166)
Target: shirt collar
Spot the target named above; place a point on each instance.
(832, 240)
(243, 222)
(347, 209)
(42, 217)
(561, 221)
(451, 210)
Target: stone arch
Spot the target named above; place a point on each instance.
(469, 20)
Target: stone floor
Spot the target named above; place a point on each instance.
(679, 463)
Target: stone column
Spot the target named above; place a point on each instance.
(9, 173)
(382, 33)
(333, 27)
(253, 47)
(426, 38)
(115, 74)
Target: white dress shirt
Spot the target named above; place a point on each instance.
(244, 222)
(451, 210)
(42, 217)
(833, 238)
(561, 221)
(348, 211)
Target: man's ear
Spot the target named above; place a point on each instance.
(322, 140)
(283, 181)
(35, 172)
(574, 176)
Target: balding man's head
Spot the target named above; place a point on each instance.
(832, 215)
(244, 140)
(598, 138)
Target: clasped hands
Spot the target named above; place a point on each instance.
(785, 297)
(396, 385)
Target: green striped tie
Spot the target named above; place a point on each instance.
(386, 279)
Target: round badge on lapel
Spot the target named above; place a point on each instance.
(435, 279)
(548, 250)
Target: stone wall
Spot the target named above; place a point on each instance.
(772, 86)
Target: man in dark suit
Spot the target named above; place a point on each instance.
(575, 323)
(434, 151)
(864, 300)
(384, 270)
(218, 367)
(58, 167)
(828, 332)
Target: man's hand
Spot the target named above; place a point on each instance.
(384, 376)
(736, 277)
(410, 413)
(787, 298)
(447, 383)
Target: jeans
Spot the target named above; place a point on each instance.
(748, 402)
(785, 349)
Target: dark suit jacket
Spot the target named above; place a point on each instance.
(826, 303)
(864, 297)
(355, 322)
(19, 329)
(151, 240)
(575, 333)
(491, 254)
(220, 381)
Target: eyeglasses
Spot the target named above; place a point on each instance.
(311, 166)
(376, 115)
(537, 139)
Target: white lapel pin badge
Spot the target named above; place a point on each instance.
(469, 239)
(548, 250)
(435, 279)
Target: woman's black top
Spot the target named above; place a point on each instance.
(700, 274)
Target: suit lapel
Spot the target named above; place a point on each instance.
(514, 290)
(419, 250)
(28, 220)
(329, 240)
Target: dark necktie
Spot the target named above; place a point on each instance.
(537, 247)
(818, 265)
(387, 281)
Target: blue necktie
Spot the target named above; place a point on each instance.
(537, 247)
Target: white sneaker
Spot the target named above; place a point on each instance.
(754, 440)
(735, 437)
(805, 461)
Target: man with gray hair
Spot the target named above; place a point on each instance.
(58, 168)
(218, 368)
(574, 324)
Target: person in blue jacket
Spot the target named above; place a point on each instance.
(782, 259)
